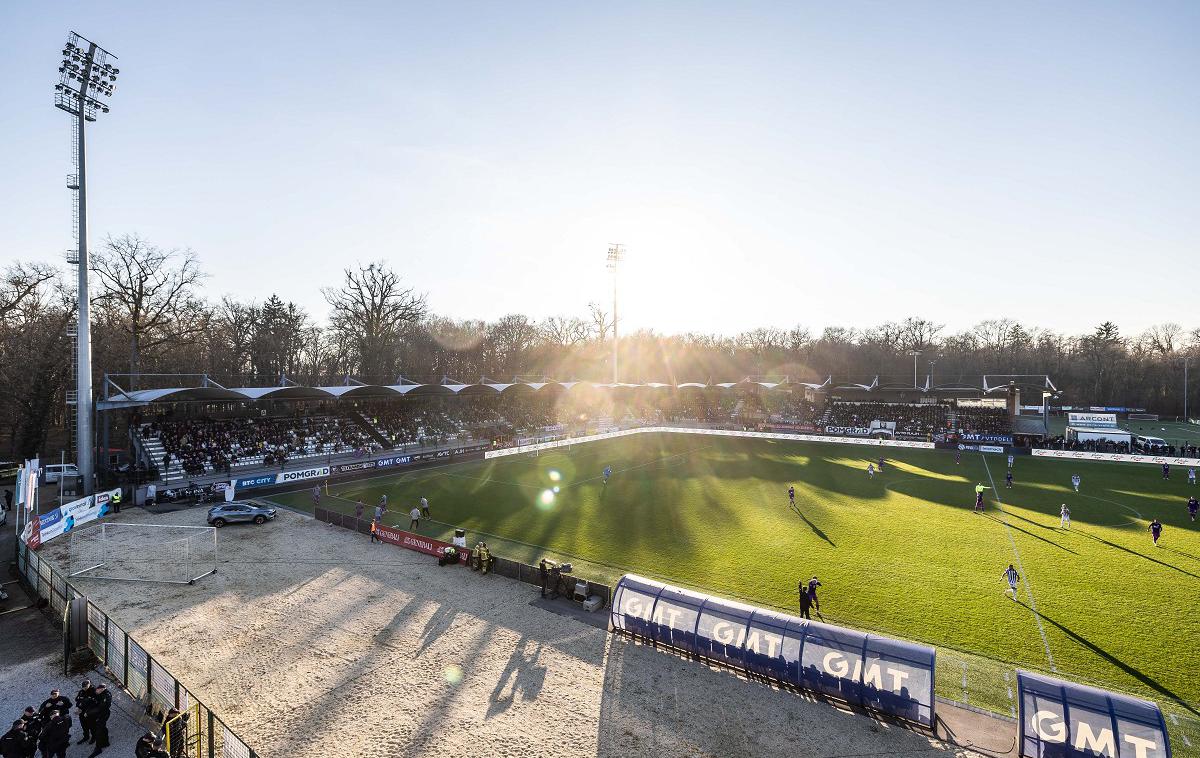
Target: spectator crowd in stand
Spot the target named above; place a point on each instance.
(982, 420)
(918, 420)
(202, 445)
(407, 423)
(795, 411)
(1089, 446)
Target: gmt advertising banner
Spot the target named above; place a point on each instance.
(1000, 439)
(63, 519)
(409, 459)
(716, 432)
(1083, 455)
(1059, 719)
(885, 675)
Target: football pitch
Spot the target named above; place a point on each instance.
(902, 553)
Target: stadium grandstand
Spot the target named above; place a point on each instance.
(201, 430)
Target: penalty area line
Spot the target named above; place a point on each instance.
(1020, 567)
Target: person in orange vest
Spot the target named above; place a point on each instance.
(374, 535)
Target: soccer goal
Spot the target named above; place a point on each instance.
(144, 552)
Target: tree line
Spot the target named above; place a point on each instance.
(151, 316)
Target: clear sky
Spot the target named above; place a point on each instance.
(765, 164)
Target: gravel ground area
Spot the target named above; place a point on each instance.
(310, 641)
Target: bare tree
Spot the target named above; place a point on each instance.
(34, 361)
(565, 331)
(1162, 340)
(148, 293)
(20, 281)
(601, 321)
(369, 312)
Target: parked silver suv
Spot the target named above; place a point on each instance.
(239, 510)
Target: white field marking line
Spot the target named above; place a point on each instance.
(1020, 566)
(640, 465)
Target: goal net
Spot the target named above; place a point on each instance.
(144, 552)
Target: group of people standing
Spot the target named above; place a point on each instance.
(414, 516)
(48, 728)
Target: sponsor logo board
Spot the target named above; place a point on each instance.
(300, 475)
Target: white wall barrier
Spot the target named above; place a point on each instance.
(1083, 455)
(714, 432)
(1079, 455)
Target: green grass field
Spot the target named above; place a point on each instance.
(902, 554)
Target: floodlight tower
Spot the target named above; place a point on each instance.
(84, 75)
(915, 355)
(616, 254)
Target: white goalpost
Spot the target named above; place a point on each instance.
(143, 553)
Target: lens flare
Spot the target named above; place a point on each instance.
(453, 674)
(546, 499)
(555, 489)
(554, 475)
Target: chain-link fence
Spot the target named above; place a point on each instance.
(202, 733)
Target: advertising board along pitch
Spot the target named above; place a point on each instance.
(889, 676)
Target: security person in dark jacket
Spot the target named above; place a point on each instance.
(16, 742)
(56, 736)
(82, 698)
(98, 711)
(175, 731)
(56, 702)
(33, 722)
(805, 605)
(144, 746)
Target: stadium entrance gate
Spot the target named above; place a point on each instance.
(185, 733)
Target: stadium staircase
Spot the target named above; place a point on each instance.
(152, 449)
(369, 428)
(824, 422)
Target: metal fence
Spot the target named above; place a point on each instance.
(145, 678)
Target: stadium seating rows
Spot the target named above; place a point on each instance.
(199, 446)
(912, 420)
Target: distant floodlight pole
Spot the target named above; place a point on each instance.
(915, 355)
(1186, 360)
(616, 254)
(84, 75)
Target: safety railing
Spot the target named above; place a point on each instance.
(197, 732)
